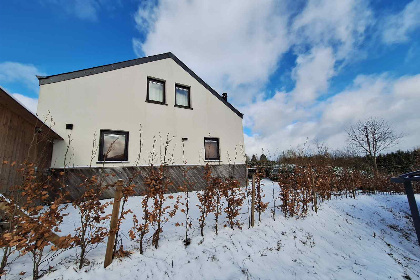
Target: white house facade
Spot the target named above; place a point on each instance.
(149, 110)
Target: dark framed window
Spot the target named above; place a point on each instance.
(211, 148)
(182, 96)
(113, 145)
(155, 91)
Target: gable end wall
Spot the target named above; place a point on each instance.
(117, 100)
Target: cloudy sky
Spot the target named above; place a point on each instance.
(299, 70)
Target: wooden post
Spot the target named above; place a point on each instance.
(114, 221)
(253, 201)
(413, 207)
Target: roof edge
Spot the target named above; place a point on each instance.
(100, 69)
(43, 80)
(203, 83)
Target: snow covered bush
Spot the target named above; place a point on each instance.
(92, 229)
(128, 191)
(141, 226)
(206, 199)
(35, 212)
(184, 204)
(155, 212)
(234, 198)
(260, 206)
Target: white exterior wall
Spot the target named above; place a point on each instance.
(116, 100)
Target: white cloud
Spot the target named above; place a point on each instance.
(145, 16)
(232, 44)
(236, 46)
(85, 9)
(14, 72)
(30, 103)
(394, 100)
(397, 27)
(341, 24)
(137, 44)
(312, 74)
(265, 116)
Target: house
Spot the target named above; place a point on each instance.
(151, 110)
(23, 138)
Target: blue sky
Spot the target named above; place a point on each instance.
(299, 70)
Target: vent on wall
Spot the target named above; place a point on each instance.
(69, 126)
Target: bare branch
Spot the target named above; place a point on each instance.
(372, 137)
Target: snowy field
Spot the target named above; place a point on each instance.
(370, 237)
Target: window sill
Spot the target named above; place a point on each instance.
(113, 161)
(156, 102)
(183, 107)
(212, 160)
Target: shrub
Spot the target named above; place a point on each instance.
(35, 216)
(91, 209)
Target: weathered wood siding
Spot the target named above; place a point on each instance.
(73, 177)
(23, 138)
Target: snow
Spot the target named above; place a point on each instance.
(370, 237)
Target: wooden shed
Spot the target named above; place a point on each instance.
(23, 138)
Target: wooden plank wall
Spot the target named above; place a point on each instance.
(73, 177)
(19, 142)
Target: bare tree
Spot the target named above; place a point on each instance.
(372, 137)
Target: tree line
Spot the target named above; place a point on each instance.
(368, 142)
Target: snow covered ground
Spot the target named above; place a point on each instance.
(370, 237)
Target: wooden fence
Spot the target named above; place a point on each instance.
(22, 137)
(74, 177)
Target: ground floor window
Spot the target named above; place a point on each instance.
(211, 148)
(113, 145)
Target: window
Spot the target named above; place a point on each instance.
(211, 147)
(182, 96)
(113, 145)
(155, 91)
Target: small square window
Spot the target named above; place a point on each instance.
(113, 145)
(155, 91)
(182, 96)
(211, 148)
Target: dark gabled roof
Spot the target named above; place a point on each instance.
(114, 66)
(16, 107)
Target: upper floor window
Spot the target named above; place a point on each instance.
(113, 145)
(211, 148)
(155, 91)
(182, 96)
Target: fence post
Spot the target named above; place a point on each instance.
(413, 207)
(114, 221)
(253, 201)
